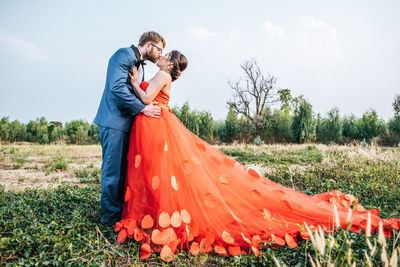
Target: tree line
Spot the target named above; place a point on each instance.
(43, 132)
(259, 112)
(281, 125)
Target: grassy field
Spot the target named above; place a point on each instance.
(49, 205)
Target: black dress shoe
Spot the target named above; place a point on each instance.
(112, 219)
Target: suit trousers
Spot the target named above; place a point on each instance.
(115, 145)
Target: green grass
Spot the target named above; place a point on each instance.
(60, 226)
(294, 157)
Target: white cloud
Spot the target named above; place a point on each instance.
(317, 31)
(201, 32)
(317, 43)
(273, 31)
(21, 46)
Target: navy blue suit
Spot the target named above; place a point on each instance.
(117, 110)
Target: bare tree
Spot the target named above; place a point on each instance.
(252, 95)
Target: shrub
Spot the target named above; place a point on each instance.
(56, 163)
(257, 141)
(18, 158)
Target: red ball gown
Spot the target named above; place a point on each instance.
(182, 193)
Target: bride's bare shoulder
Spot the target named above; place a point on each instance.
(165, 76)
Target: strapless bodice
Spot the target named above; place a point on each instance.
(161, 98)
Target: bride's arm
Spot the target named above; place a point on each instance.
(155, 85)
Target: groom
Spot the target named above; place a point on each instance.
(118, 107)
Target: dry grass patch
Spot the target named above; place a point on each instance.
(44, 166)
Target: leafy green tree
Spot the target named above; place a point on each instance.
(288, 102)
(394, 124)
(245, 130)
(77, 132)
(231, 126)
(392, 135)
(31, 131)
(396, 105)
(351, 128)
(42, 133)
(371, 125)
(218, 131)
(318, 130)
(330, 128)
(17, 131)
(281, 122)
(4, 129)
(37, 131)
(94, 133)
(188, 118)
(205, 126)
(303, 126)
(199, 123)
(55, 131)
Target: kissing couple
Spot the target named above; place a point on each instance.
(169, 190)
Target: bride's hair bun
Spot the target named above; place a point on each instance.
(179, 64)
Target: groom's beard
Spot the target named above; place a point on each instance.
(152, 58)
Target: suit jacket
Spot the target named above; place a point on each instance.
(119, 105)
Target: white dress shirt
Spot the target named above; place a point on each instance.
(140, 71)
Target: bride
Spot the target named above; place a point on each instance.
(181, 192)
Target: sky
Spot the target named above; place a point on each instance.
(343, 53)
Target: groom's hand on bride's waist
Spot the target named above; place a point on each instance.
(152, 111)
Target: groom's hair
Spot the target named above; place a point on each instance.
(151, 36)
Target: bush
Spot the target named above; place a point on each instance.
(89, 174)
(56, 163)
(257, 141)
(18, 158)
(390, 138)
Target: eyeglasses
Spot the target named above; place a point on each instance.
(158, 48)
